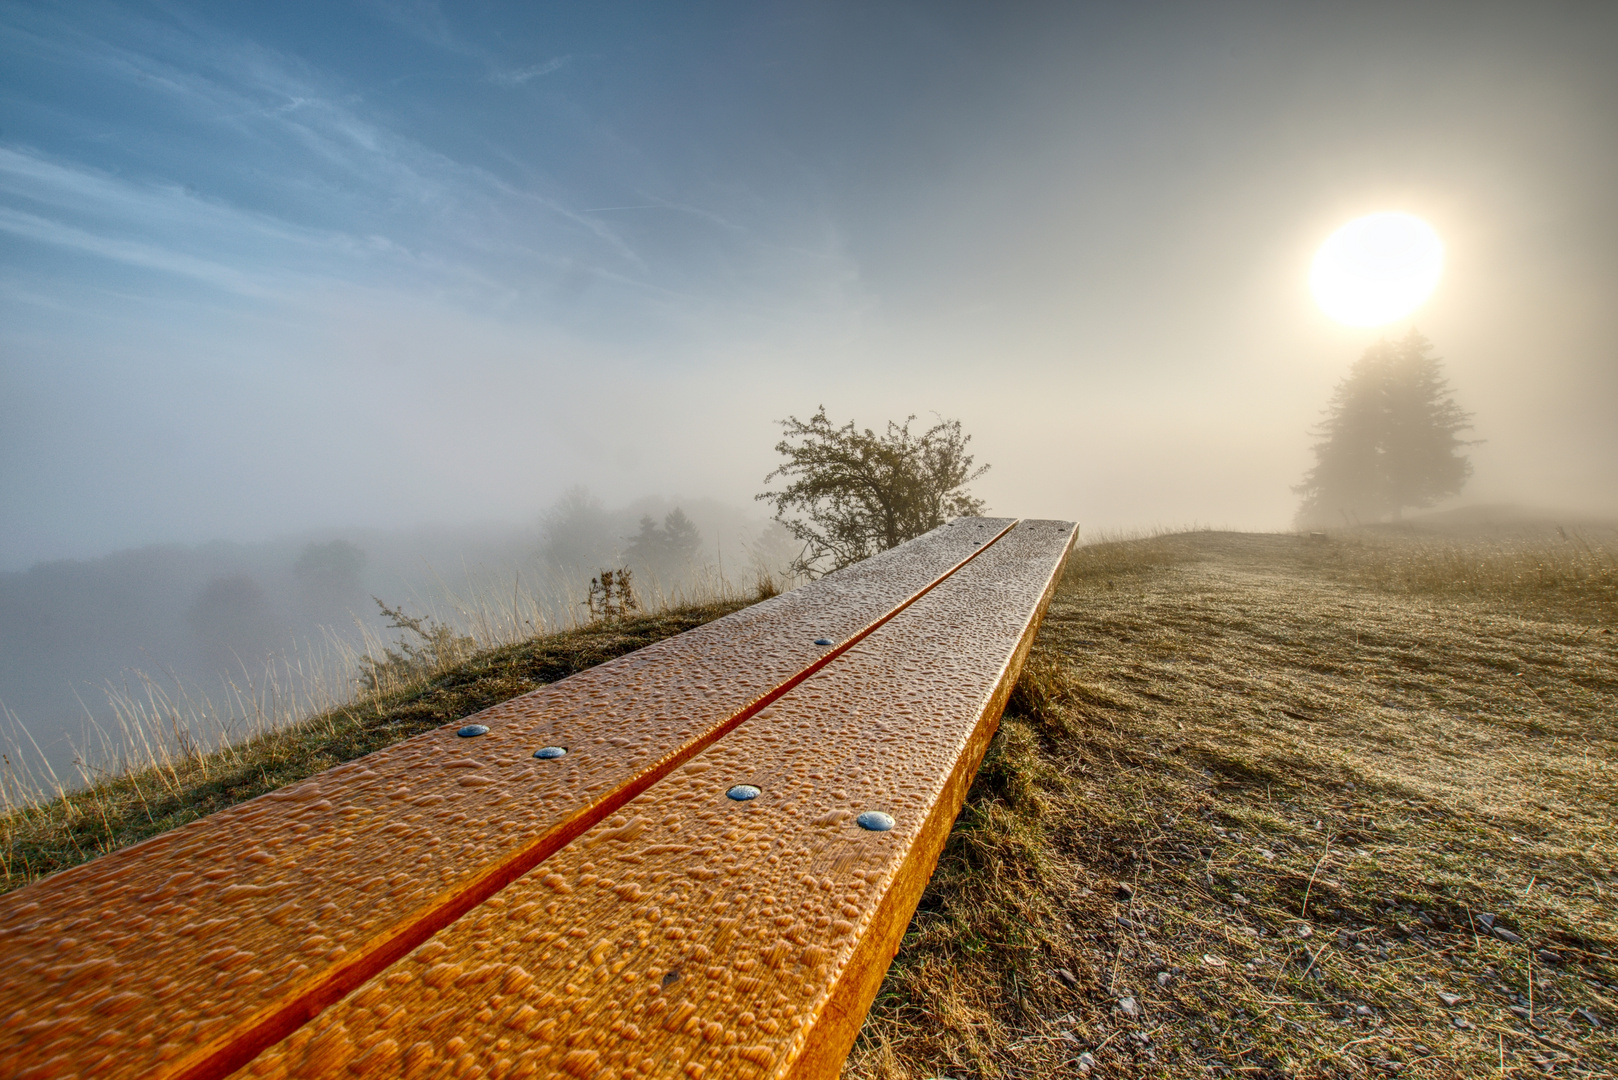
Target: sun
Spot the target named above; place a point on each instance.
(1377, 268)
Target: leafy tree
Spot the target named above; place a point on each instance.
(333, 565)
(233, 621)
(577, 532)
(850, 494)
(328, 577)
(1390, 438)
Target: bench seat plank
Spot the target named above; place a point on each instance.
(694, 935)
(186, 955)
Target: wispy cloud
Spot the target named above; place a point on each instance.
(307, 183)
(519, 76)
(129, 252)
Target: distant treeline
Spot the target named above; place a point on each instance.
(201, 614)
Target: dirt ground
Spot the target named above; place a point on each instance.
(1258, 810)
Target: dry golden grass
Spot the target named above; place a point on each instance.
(1563, 572)
(41, 837)
(1317, 772)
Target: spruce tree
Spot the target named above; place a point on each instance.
(1390, 439)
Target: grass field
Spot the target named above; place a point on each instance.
(1263, 806)
(1256, 806)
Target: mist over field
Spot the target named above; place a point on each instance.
(402, 275)
(238, 624)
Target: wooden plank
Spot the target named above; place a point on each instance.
(695, 935)
(186, 955)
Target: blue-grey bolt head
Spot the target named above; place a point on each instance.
(743, 793)
(472, 731)
(547, 752)
(875, 821)
(823, 641)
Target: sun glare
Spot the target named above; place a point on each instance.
(1377, 269)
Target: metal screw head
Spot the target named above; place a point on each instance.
(547, 752)
(875, 821)
(472, 731)
(743, 793)
(823, 641)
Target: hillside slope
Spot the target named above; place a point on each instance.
(127, 807)
(1255, 808)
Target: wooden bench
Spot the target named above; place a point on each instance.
(462, 905)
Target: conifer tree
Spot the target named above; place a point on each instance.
(666, 553)
(1390, 439)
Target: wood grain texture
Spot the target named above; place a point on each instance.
(693, 935)
(186, 955)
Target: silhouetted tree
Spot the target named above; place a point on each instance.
(665, 552)
(1389, 440)
(577, 532)
(232, 621)
(328, 577)
(853, 493)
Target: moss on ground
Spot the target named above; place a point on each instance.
(129, 808)
(1250, 814)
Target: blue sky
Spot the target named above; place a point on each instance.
(272, 268)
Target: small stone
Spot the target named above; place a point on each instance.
(1588, 1017)
(1125, 891)
(1547, 956)
(1450, 1000)
(1506, 935)
(1239, 900)
(1086, 1062)
(1306, 931)
(1128, 1007)
(1461, 1022)
(1205, 852)
(1067, 978)
(1518, 1011)
(1213, 961)
(1164, 978)
(1484, 919)
(1363, 1010)
(1069, 1038)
